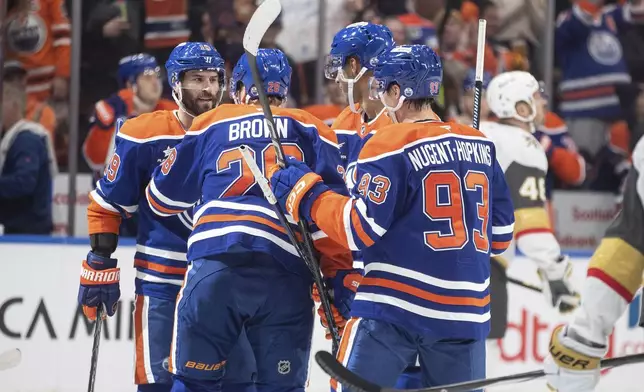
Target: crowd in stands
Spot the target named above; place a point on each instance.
(596, 103)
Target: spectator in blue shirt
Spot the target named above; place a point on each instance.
(27, 167)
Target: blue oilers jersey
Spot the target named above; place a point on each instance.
(432, 207)
(353, 132)
(232, 214)
(141, 144)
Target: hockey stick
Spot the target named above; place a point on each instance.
(355, 383)
(525, 285)
(259, 23)
(10, 358)
(97, 341)
(478, 83)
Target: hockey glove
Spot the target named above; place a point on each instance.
(573, 363)
(99, 284)
(296, 187)
(342, 289)
(557, 287)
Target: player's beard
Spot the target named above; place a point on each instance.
(199, 101)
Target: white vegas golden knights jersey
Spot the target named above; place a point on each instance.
(525, 165)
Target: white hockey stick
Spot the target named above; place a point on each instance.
(259, 23)
(478, 83)
(10, 359)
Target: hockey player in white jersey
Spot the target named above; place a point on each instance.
(516, 100)
(614, 276)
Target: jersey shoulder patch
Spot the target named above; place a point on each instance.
(152, 126)
(515, 145)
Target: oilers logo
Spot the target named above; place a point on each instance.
(604, 48)
(26, 33)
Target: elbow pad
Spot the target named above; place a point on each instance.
(103, 244)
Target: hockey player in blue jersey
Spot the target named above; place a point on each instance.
(243, 273)
(430, 207)
(350, 63)
(197, 79)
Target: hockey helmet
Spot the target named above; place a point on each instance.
(130, 67)
(274, 70)
(506, 90)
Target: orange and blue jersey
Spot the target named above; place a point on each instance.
(141, 145)
(232, 214)
(103, 125)
(430, 207)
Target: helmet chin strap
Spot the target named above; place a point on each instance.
(392, 109)
(350, 84)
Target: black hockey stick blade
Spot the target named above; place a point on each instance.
(95, 346)
(353, 382)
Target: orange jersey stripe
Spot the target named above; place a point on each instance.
(357, 225)
(165, 269)
(158, 206)
(416, 292)
(139, 356)
(344, 346)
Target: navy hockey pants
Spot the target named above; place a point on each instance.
(153, 320)
(379, 352)
(233, 293)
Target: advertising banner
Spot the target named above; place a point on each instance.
(39, 315)
(581, 218)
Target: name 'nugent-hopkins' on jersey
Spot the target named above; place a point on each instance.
(232, 214)
(142, 143)
(432, 206)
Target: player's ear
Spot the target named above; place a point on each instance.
(523, 109)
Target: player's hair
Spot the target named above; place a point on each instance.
(417, 104)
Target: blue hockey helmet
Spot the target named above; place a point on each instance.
(274, 70)
(190, 56)
(364, 40)
(130, 67)
(470, 79)
(416, 69)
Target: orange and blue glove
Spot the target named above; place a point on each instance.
(99, 285)
(296, 187)
(342, 289)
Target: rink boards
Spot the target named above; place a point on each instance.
(39, 315)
